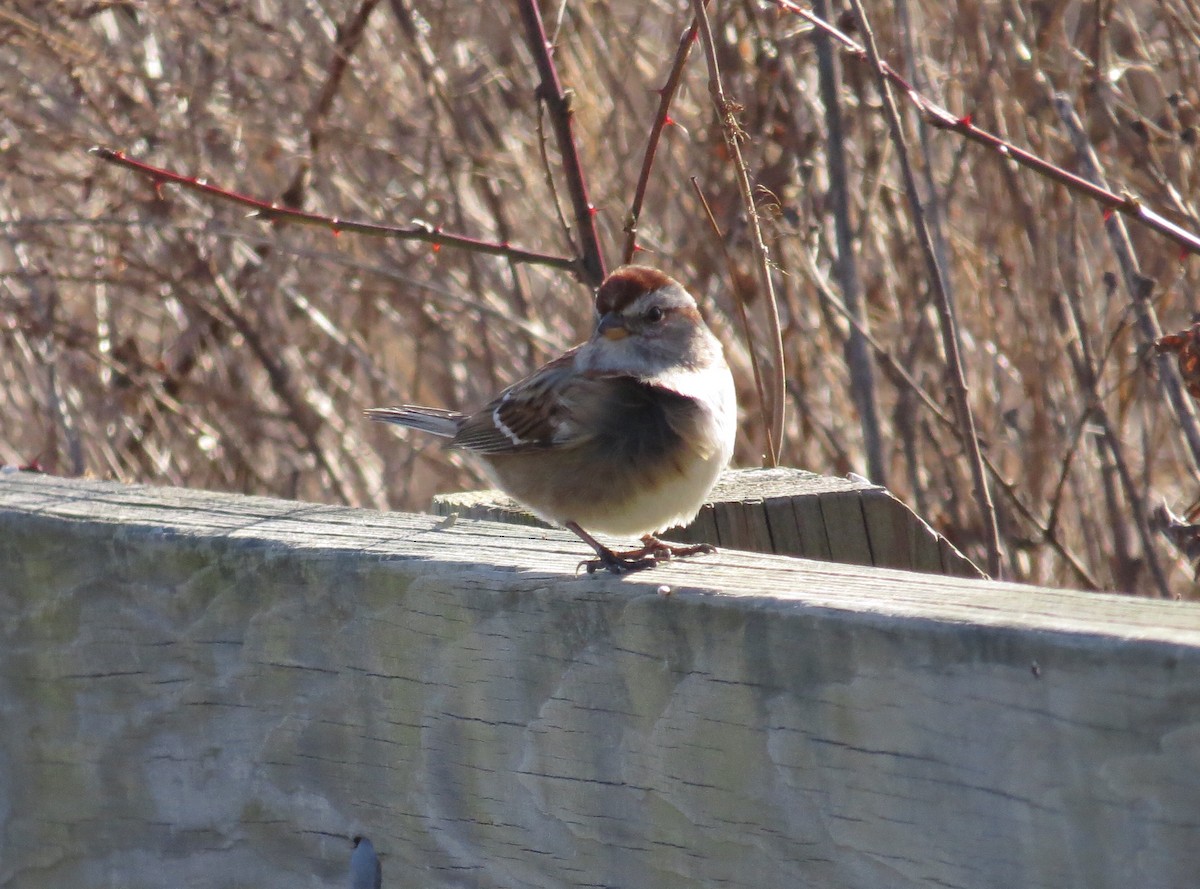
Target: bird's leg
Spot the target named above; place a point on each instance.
(617, 563)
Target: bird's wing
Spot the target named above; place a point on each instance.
(529, 415)
(557, 407)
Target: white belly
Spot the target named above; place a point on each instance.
(675, 502)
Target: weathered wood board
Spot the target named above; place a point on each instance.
(209, 690)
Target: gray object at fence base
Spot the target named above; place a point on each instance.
(207, 690)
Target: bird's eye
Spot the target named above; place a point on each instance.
(654, 314)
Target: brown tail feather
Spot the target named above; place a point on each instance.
(427, 419)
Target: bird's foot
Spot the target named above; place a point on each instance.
(618, 563)
(650, 553)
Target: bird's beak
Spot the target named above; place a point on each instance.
(612, 327)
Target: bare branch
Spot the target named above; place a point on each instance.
(739, 299)
(558, 103)
(948, 324)
(726, 112)
(270, 212)
(937, 116)
(349, 35)
(665, 96)
(858, 357)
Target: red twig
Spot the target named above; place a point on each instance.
(666, 95)
(270, 212)
(558, 103)
(937, 116)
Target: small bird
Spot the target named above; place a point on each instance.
(365, 870)
(624, 434)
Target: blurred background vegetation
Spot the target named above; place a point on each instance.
(162, 337)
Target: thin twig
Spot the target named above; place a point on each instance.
(1137, 285)
(1089, 378)
(948, 324)
(937, 116)
(558, 103)
(740, 301)
(900, 377)
(548, 172)
(1139, 289)
(666, 95)
(463, 124)
(349, 34)
(727, 113)
(270, 212)
(858, 356)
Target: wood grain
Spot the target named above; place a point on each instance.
(211, 690)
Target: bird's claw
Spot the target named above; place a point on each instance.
(648, 555)
(616, 563)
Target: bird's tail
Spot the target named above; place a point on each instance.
(427, 419)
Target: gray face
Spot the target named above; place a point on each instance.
(655, 329)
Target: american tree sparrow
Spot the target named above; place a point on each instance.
(624, 434)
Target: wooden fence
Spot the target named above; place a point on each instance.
(217, 691)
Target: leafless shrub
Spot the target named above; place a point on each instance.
(166, 338)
